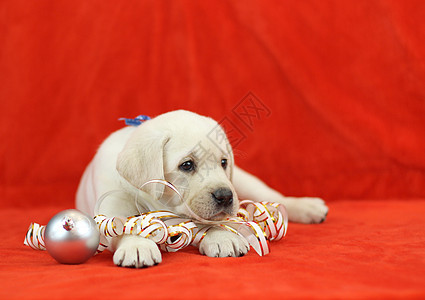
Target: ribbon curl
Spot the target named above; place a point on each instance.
(257, 222)
(165, 228)
(35, 237)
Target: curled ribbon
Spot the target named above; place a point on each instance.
(262, 222)
(35, 237)
(165, 228)
(257, 222)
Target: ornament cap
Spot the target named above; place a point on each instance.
(67, 223)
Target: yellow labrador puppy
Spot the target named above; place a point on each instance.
(193, 153)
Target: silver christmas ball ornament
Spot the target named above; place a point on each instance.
(71, 237)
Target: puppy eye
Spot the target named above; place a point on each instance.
(224, 163)
(187, 166)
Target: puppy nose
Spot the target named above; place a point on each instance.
(223, 196)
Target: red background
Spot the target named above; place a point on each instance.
(344, 84)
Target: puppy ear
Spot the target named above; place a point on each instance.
(142, 159)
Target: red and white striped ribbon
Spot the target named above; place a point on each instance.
(35, 237)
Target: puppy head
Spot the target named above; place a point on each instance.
(190, 151)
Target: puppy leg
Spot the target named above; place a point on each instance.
(135, 252)
(129, 250)
(302, 210)
(221, 243)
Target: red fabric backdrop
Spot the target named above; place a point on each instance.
(341, 85)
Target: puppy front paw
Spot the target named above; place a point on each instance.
(221, 243)
(306, 210)
(136, 252)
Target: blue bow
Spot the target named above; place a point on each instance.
(136, 121)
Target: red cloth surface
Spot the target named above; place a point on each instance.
(340, 85)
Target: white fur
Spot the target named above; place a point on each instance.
(133, 155)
